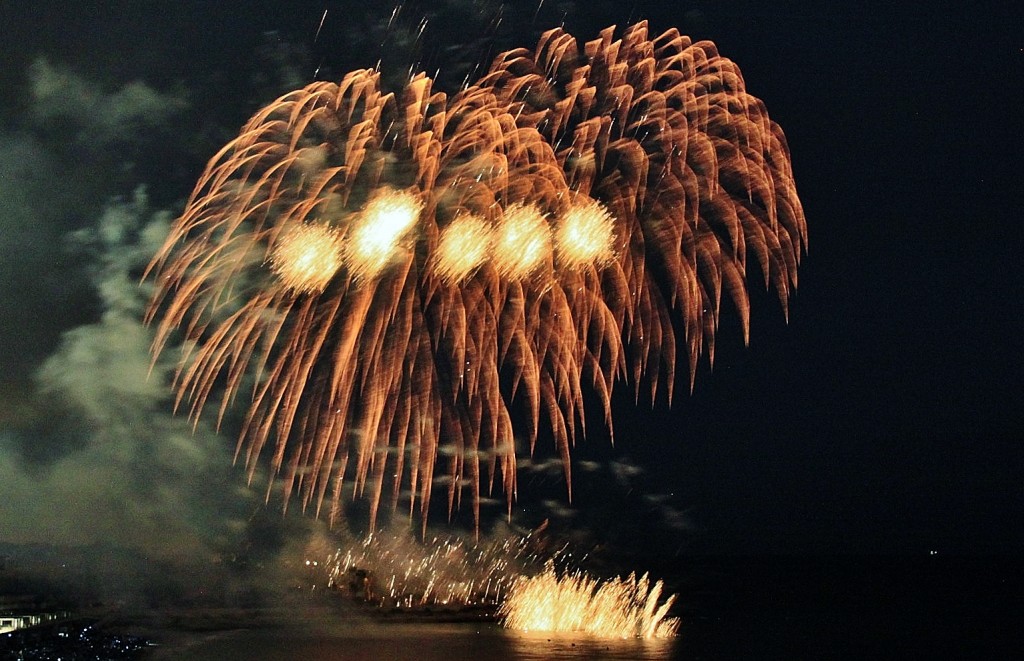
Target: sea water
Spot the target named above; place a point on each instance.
(743, 608)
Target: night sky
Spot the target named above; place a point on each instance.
(884, 417)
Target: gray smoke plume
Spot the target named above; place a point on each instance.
(104, 461)
(93, 463)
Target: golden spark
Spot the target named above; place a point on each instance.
(307, 257)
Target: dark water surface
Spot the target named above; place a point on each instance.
(419, 642)
(768, 637)
(738, 608)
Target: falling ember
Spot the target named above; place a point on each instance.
(523, 241)
(380, 227)
(378, 385)
(576, 602)
(464, 245)
(584, 236)
(307, 257)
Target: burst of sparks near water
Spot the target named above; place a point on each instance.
(401, 572)
(576, 602)
(622, 186)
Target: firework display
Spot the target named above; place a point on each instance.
(577, 602)
(387, 280)
(527, 588)
(397, 571)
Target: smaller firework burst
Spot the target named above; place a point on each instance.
(464, 246)
(379, 230)
(576, 602)
(307, 257)
(584, 236)
(524, 242)
(396, 571)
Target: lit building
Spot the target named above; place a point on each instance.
(21, 612)
(15, 622)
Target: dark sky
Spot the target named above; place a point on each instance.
(885, 417)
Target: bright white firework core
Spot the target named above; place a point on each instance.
(381, 225)
(523, 241)
(306, 257)
(584, 235)
(578, 602)
(463, 246)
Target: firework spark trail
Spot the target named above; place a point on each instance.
(552, 602)
(611, 189)
(402, 572)
(533, 590)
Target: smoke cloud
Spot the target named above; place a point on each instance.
(91, 456)
(102, 460)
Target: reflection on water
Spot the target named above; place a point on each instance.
(419, 642)
(529, 646)
(743, 608)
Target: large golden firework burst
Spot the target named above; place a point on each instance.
(399, 277)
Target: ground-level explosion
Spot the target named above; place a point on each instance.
(401, 572)
(394, 279)
(575, 602)
(513, 578)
